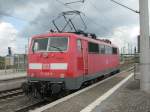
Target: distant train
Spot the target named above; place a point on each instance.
(64, 61)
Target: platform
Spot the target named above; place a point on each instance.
(81, 99)
(12, 80)
(128, 98)
(12, 76)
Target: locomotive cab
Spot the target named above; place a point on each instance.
(48, 57)
(51, 64)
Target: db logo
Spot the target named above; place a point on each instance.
(45, 66)
(45, 55)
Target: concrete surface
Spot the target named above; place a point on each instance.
(129, 98)
(12, 81)
(12, 76)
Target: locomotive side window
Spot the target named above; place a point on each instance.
(101, 49)
(79, 45)
(93, 47)
(114, 50)
(40, 44)
(108, 50)
(58, 44)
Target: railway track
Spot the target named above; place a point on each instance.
(10, 93)
(40, 102)
(32, 106)
(24, 104)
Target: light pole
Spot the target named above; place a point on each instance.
(145, 46)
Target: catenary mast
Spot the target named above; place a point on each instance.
(145, 46)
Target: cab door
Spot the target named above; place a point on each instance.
(82, 56)
(85, 56)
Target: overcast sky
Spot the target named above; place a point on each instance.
(20, 19)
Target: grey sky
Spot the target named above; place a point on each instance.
(102, 16)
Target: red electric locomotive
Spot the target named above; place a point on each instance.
(64, 61)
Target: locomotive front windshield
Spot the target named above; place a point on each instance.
(51, 44)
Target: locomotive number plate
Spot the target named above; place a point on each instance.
(46, 66)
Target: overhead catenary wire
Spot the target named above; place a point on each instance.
(97, 25)
(98, 11)
(79, 1)
(125, 6)
(89, 19)
(103, 16)
(65, 4)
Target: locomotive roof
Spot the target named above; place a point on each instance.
(74, 35)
